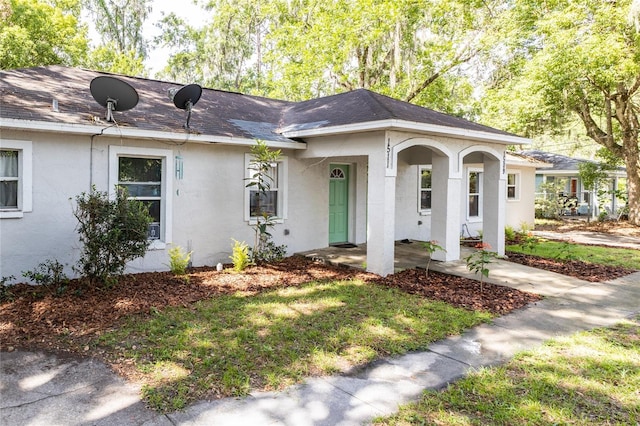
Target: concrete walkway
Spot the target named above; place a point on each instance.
(41, 389)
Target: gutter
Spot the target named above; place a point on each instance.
(113, 130)
(395, 124)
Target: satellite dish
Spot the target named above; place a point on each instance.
(185, 98)
(114, 94)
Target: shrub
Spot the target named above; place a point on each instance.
(509, 233)
(268, 252)
(179, 260)
(49, 274)
(240, 255)
(529, 241)
(113, 232)
(5, 288)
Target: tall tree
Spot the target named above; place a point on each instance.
(119, 24)
(567, 59)
(415, 50)
(410, 49)
(226, 53)
(34, 33)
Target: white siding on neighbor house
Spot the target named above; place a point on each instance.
(522, 209)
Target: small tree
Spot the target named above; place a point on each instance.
(260, 166)
(113, 232)
(431, 246)
(478, 261)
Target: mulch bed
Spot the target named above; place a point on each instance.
(573, 268)
(37, 318)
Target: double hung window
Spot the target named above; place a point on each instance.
(146, 175)
(475, 195)
(15, 178)
(512, 186)
(142, 178)
(266, 203)
(9, 179)
(273, 201)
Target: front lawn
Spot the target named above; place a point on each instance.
(228, 345)
(610, 256)
(586, 379)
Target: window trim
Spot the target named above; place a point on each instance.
(166, 202)
(422, 211)
(480, 173)
(516, 185)
(25, 178)
(283, 185)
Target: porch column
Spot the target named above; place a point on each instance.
(493, 204)
(381, 207)
(445, 209)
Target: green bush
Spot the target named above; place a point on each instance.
(113, 232)
(5, 288)
(509, 233)
(49, 274)
(240, 255)
(179, 260)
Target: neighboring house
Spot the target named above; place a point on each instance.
(356, 167)
(577, 199)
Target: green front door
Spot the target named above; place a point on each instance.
(338, 203)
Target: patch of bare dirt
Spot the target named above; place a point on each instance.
(38, 319)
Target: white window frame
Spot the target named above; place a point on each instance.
(516, 186)
(283, 186)
(480, 173)
(166, 203)
(420, 189)
(25, 178)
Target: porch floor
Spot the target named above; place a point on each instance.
(408, 254)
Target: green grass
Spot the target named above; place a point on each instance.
(588, 378)
(627, 258)
(231, 344)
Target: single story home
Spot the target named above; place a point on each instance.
(356, 167)
(578, 200)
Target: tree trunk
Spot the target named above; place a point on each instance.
(632, 163)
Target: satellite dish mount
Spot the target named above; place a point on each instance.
(114, 94)
(185, 98)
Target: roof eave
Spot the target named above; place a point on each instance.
(394, 124)
(113, 130)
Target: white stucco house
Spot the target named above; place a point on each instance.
(580, 200)
(356, 167)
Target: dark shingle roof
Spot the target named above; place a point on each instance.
(360, 106)
(27, 94)
(558, 161)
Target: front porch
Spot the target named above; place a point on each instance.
(407, 254)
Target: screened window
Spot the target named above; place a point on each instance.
(16, 166)
(9, 179)
(266, 203)
(142, 178)
(512, 186)
(474, 193)
(273, 202)
(425, 188)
